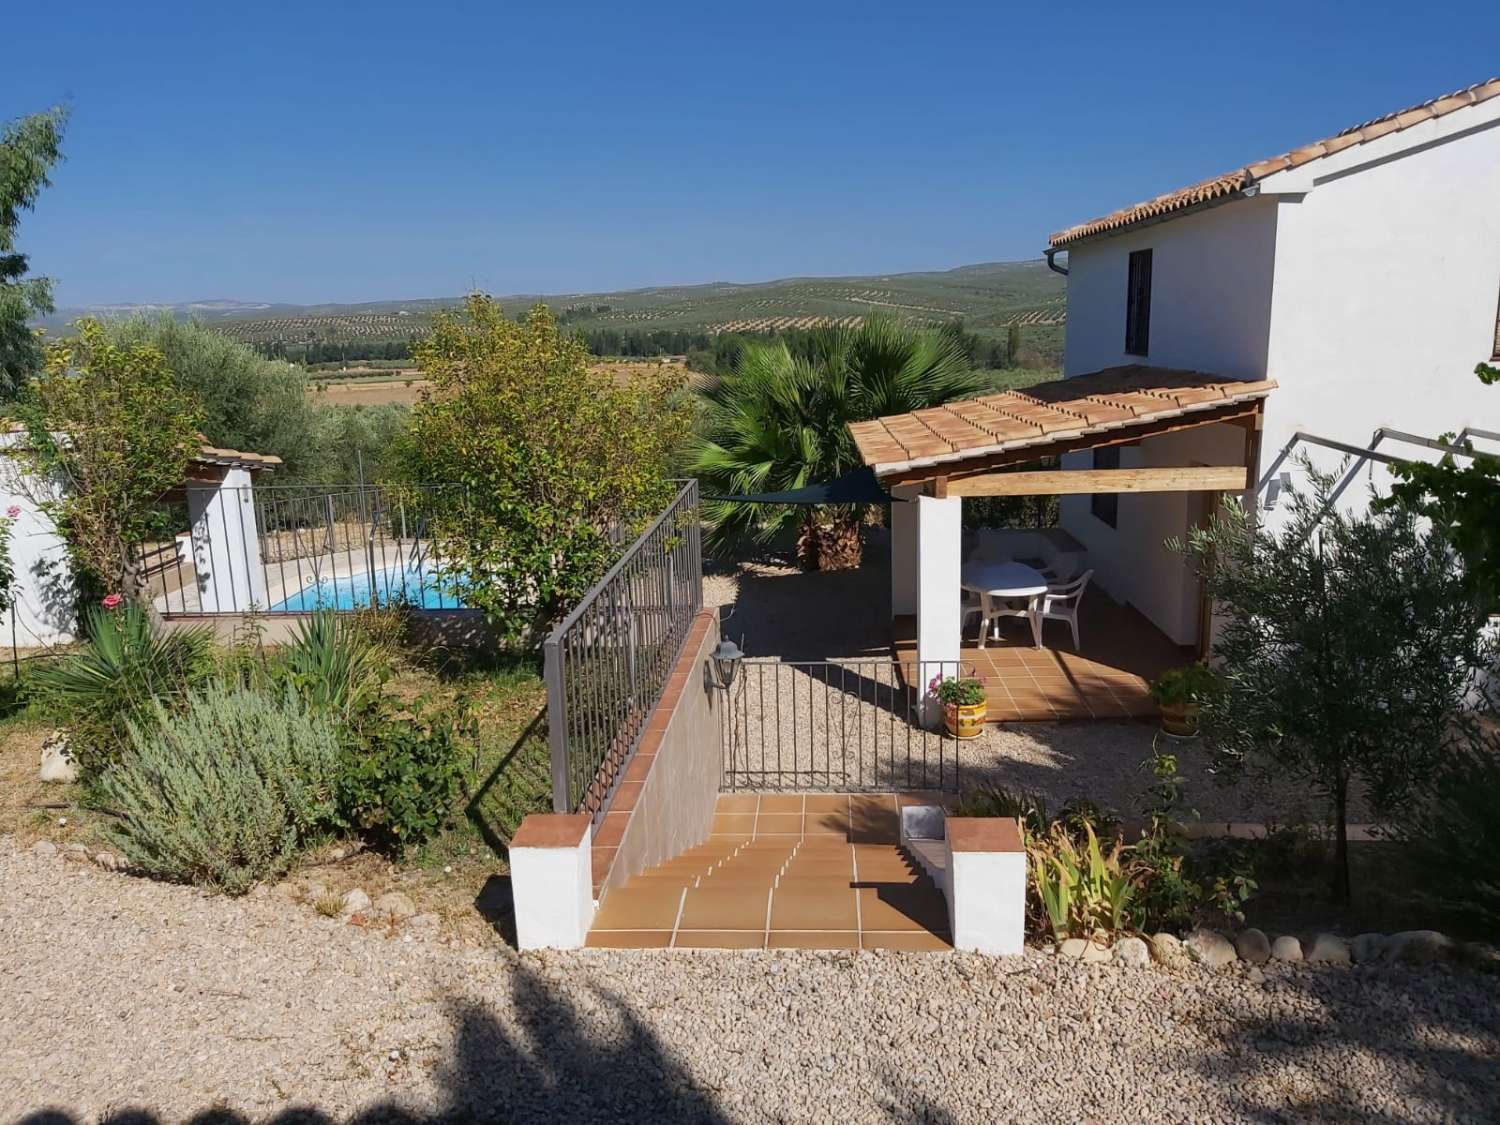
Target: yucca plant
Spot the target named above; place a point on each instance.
(780, 421)
(335, 667)
(128, 665)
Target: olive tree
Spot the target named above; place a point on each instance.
(543, 465)
(1347, 643)
(29, 148)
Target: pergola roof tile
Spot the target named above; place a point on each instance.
(1033, 417)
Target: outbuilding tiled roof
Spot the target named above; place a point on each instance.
(1112, 399)
(235, 458)
(1230, 183)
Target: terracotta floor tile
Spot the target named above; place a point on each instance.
(826, 824)
(628, 939)
(725, 908)
(725, 823)
(781, 803)
(912, 941)
(827, 802)
(720, 939)
(644, 908)
(900, 908)
(737, 802)
(813, 906)
(776, 824)
(812, 939)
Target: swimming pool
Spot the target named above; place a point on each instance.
(416, 586)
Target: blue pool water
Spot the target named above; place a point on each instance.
(415, 586)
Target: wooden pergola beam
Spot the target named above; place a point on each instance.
(1074, 482)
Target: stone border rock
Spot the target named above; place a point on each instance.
(1254, 948)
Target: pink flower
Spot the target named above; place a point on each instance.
(13, 511)
(112, 601)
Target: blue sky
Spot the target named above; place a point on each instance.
(366, 151)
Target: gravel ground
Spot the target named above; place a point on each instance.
(122, 993)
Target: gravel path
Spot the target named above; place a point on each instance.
(118, 993)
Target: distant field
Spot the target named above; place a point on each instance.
(988, 298)
(361, 387)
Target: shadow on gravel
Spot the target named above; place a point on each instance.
(1387, 1044)
(557, 1066)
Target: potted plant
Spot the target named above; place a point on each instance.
(1179, 693)
(964, 707)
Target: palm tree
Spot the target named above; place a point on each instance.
(780, 421)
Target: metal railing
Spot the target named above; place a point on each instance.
(608, 661)
(297, 548)
(837, 725)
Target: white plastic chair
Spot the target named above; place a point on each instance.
(971, 604)
(1060, 603)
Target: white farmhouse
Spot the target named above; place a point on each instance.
(1360, 273)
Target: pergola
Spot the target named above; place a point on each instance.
(931, 459)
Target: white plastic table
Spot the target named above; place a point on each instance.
(1007, 580)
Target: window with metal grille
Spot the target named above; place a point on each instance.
(1138, 304)
(1106, 505)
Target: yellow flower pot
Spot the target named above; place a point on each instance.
(965, 721)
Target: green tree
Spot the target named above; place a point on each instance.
(357, 444)
(551, 462)
(108, 431)
(248, 402)
(780, 421)
(28, 150)
(1347, 645)
(1012, 344)
(1464, 500)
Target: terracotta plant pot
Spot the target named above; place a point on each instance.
(965, 721)
(1180, 719)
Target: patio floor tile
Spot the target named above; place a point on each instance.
(909, 941)
(724, 908)
(643, 908)
(771, 824)
(737, 803)
(813, 906)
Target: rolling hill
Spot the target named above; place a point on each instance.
(988, 298)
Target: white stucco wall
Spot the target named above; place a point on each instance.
(44, 612)
(1131, 562)
(1387, 284)
(1211, 284)
(1366, 284)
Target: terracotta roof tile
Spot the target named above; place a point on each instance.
(1112, 399)
(1218, 187)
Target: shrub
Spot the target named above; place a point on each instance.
(225, 791)
(1188, 684)
(399, 785)
(128, 670)
(1453, 830)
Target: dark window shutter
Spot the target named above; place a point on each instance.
(1138, 304)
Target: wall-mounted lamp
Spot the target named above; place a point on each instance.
(726, 658)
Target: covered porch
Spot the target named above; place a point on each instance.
(1158, 447)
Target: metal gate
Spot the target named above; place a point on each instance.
(842, 726)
